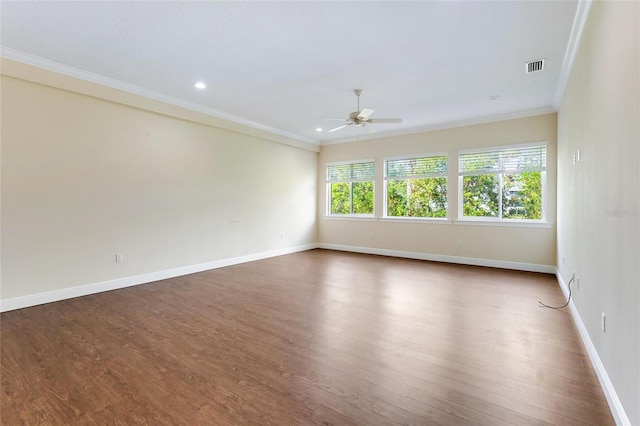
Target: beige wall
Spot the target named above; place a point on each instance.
(520, 244)
(598, 198)
(84, 178)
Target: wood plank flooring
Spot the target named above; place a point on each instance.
(312, 338)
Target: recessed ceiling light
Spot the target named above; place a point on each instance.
(319, 129)
(494, 97)
(199, 85)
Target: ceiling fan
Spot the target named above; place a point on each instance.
(361, 118)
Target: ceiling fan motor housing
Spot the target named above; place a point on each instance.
(354, 119)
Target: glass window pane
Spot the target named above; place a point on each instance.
(427, 197)
(362, 198)
(397, 198)
(522, 196)
(480, 195)
(340, 198)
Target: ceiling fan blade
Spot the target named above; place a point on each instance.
(337, 128)
(384, 120)
(365, 113)
(334, 119)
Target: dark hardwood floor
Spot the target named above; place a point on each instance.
(318, 337)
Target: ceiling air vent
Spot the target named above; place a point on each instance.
(534, 66)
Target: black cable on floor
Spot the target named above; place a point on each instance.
(542, 305)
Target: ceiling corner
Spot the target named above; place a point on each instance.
(582, 13)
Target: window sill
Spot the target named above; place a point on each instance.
(430, 220)
(352, 217)
(434, 221)
(441, 221)
(472, 222)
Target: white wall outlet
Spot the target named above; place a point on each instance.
(460, 241)
(603, 322)
(372, 236)
(119, 257)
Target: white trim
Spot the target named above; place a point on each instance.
(364, 218)
(582, 13)
(615, 405)
(84, 290)
(392, 219)
(406, 219)
(25, 58)
(520, 266)
(522, 223)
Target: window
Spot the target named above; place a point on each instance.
(350, 188)
(503, 184)
(416, 187)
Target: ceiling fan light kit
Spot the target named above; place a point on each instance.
(360, 118)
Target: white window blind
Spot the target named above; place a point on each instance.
(510, 160)
(416, 168)
(353, 172)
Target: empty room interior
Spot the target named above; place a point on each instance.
(332, 213)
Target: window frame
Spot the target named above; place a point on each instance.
(385, 179)
(328, 183)
(499, 219)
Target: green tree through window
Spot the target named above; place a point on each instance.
(416, 187)
(350, 188)
(503, 184)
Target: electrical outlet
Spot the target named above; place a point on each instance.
(119, 257)
(460, 242)
(603, 322)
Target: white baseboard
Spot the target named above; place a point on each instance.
(619, 415)
(84, 290)
(531, 267)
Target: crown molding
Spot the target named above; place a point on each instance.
(56, 67)
(580, 20)
(448, 125)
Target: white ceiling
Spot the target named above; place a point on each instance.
(284, 65)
